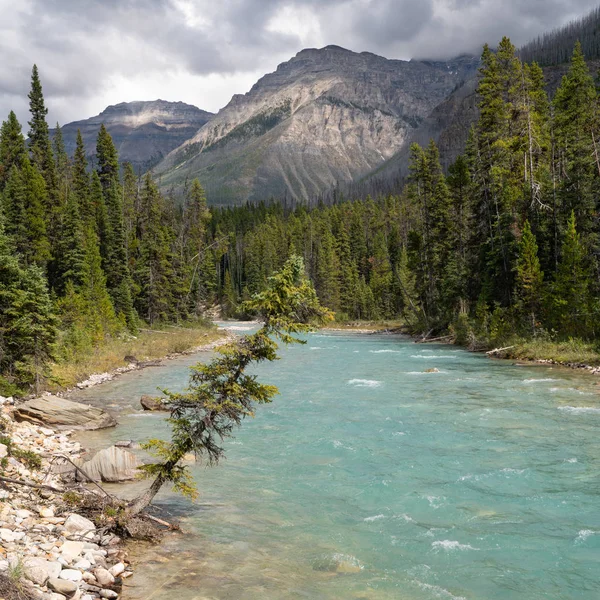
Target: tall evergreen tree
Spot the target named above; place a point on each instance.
(12, 147)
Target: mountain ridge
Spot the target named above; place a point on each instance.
(326, 115)
(143, 131)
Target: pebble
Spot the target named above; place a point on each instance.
(71, 575)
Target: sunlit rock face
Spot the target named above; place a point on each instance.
(325, 117)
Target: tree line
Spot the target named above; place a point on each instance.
(555, 47)
(87, 254)
(506, 242)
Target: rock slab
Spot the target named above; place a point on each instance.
(63, 414)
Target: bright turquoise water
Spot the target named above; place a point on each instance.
(477, 482)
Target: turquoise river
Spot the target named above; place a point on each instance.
(369, 478)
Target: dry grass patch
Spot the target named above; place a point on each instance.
(146, 345)
(572, 351)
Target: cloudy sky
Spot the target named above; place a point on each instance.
(92, 53)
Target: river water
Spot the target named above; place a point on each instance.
(369, 478)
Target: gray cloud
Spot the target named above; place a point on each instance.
(91, 51)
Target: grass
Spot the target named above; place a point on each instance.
(573, 351)
(146, 345)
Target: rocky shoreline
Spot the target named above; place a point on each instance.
(48, 550)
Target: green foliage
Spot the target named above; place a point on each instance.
(221, 393)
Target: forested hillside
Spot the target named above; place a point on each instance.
(555, 47)
(505, 244)
(87, 256)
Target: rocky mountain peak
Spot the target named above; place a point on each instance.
(326, 116)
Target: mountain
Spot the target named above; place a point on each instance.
(448, 125)
(143, 132)
(325, 117)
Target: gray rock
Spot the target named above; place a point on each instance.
(70, 550)
(38, 570)
(110, 594)
(143, 131)
(70, 575)
(60, 414)
(112, 465)
(325, 116)
(104, 577)
(117, 569)
(78, 524)
(62, 586)
(3, 451)
(153, 403)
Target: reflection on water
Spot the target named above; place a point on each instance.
(370, 478)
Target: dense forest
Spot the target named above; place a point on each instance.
(86, 254)
(555, 47)
(506, 243)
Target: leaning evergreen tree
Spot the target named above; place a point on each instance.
(221, 394)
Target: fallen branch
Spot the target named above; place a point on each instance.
(436, 339)
(37, 486)
(79, 470)
(161, 522)
(496, 350)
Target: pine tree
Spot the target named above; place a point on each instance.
(100, 318)
(107, 158)
(27, 321)
(81, 182)
(154, 275)
(40, 145)
(24, 197)
(529, 279)
(68, 264)
(115, 257)
(12, 147)
(570, 299)
(574, 122)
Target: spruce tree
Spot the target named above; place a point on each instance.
(40, 145)
(574, 123)
(529, 279)
(12, 147)
(107, 158)
(81, 182)
(570, 300)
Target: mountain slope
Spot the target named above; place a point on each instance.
(143, 132)
(326, 116)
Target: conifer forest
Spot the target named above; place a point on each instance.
(505, 244)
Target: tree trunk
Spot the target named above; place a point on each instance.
(139, 504)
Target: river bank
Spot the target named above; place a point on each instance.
(570, 354)
(121, 355)
(49, 550)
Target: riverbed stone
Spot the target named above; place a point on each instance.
(62, 586)
(109, 594)
(39, 570)
(104, 577)
(117, 569)
(153, 403)
(77, 524)
(61, 413)
(71, 575)
(70, 550)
